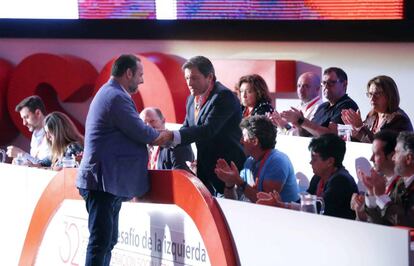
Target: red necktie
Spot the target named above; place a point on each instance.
(321, 185)
(153, 154)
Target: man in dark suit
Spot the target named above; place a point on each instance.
(165, 158)
(114, 164)
(212, 122)
(397, 208)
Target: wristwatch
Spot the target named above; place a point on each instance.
(243, 185)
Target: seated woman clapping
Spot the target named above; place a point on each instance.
(383, 94)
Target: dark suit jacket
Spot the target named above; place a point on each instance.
(175, 158)
(115, 156)
(400, 211)
(216, 134)
(337, 193)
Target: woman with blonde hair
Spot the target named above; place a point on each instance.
(63, 138)
(382, 91)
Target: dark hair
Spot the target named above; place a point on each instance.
(258, 85)
(260, 127)
(390, 90)
(342, 76)
(389, 137)
(329, 145)
(203, 64)
(124, 62)
(407, 139)
(33, 103)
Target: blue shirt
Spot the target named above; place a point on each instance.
(327, 113)
(277, 167)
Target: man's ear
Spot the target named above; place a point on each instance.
(331, 161)
(210, 76)
(255, 141)
(409, 159)
(345, 83)
(129, 73)
(37, 112)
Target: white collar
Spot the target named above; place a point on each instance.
(39, 133)
(408, 180)
(311, 100)
(125, 91)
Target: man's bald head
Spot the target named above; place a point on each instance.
(308, 86)
(153, 117)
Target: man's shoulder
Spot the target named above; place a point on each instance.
(220, 93)
(279, 159)
(219, 88)
(322, 106)
(342, 175)
(347, 102)
(277, 155)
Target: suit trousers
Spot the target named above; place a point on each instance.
(103, 209)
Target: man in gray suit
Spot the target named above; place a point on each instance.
(114, 164)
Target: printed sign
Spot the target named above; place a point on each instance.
(149, 234)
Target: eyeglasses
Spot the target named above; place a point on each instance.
(329, 83)
(375, 94)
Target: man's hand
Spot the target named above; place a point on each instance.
(277, 119)
(229, 174)
(367, 181)
(164, 138)
(292, 116)
(357, 202)
(12, 151)
(378, 182)
(270, 199)
(192, 166)
(375, 183)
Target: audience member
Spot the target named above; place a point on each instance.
(385, 114)
(63, 139)
(32, 111)
(331, 181)
(160, 157)
(254, 95)
(266, 168)
(212, 122)
(382, 152)
(397, 207)
(309, 93)
(114, 164)
(328, 115)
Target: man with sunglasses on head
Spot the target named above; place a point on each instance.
(328, 115)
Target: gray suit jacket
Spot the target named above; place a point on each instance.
(115, 156)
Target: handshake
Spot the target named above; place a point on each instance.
(165, 139)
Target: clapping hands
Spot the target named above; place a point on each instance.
(229, 174)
